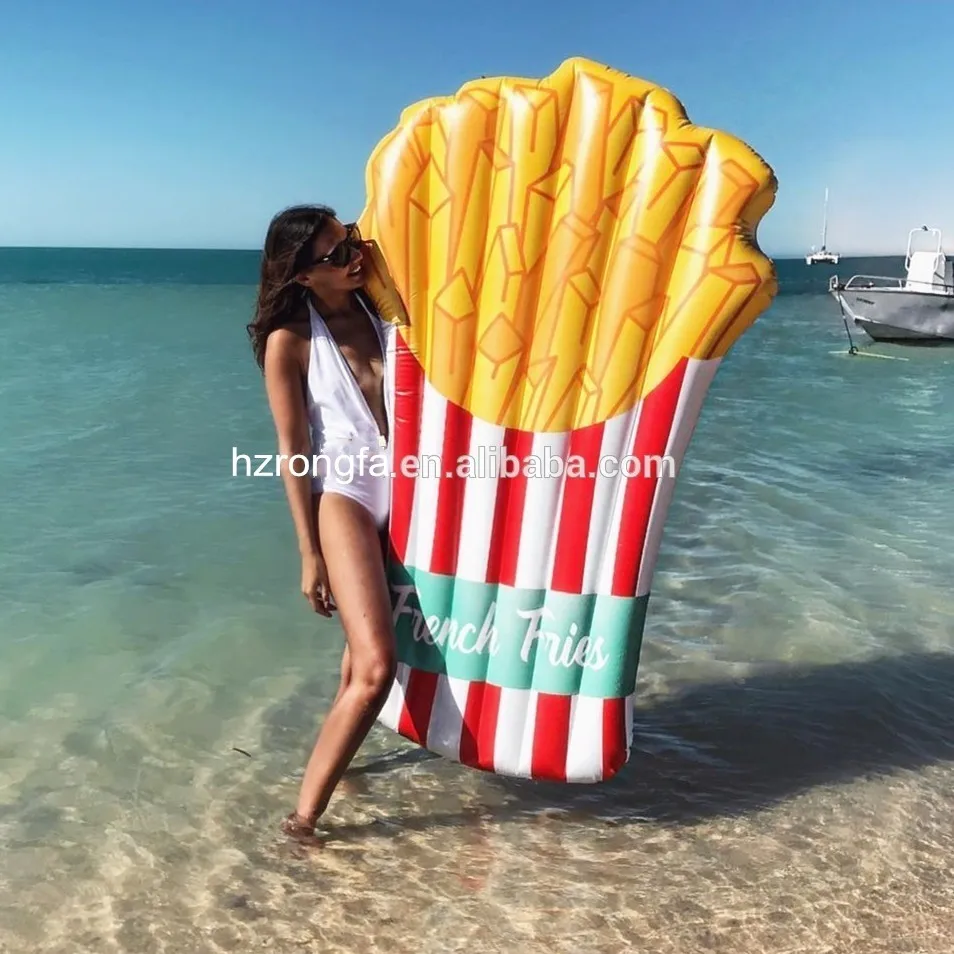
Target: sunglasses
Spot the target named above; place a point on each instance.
(343, 252)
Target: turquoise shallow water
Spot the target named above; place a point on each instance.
(790, 788)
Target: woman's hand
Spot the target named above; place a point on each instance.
(315, 585)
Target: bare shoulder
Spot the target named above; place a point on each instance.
(287, 347)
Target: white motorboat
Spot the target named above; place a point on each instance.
(823, 255)
(918, 307)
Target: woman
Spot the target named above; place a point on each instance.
(322, 350)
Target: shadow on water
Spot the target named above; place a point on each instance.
(728, 748)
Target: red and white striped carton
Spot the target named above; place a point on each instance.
(572, 534)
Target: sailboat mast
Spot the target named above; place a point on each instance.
(824, 244)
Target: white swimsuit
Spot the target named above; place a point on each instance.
(350, 456)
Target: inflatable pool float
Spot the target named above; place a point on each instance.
(568, 261)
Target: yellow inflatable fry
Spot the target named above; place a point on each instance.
(568, 259)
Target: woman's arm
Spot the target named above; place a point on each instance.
(283, 386)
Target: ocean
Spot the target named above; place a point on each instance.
(162, 680)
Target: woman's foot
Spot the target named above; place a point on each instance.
(300, 828)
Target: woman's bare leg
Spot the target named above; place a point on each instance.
(345, 673)
(358, 582)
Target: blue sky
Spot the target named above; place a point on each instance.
(188, 123)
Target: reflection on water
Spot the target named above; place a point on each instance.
(796, 809)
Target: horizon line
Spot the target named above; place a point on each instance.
(780, 257)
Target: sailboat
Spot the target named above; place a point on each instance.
(823, 255)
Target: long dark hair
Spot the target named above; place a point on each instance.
(287, 248)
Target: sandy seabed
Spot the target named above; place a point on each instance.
(723, 834)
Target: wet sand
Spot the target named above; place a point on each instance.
(795, 810)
